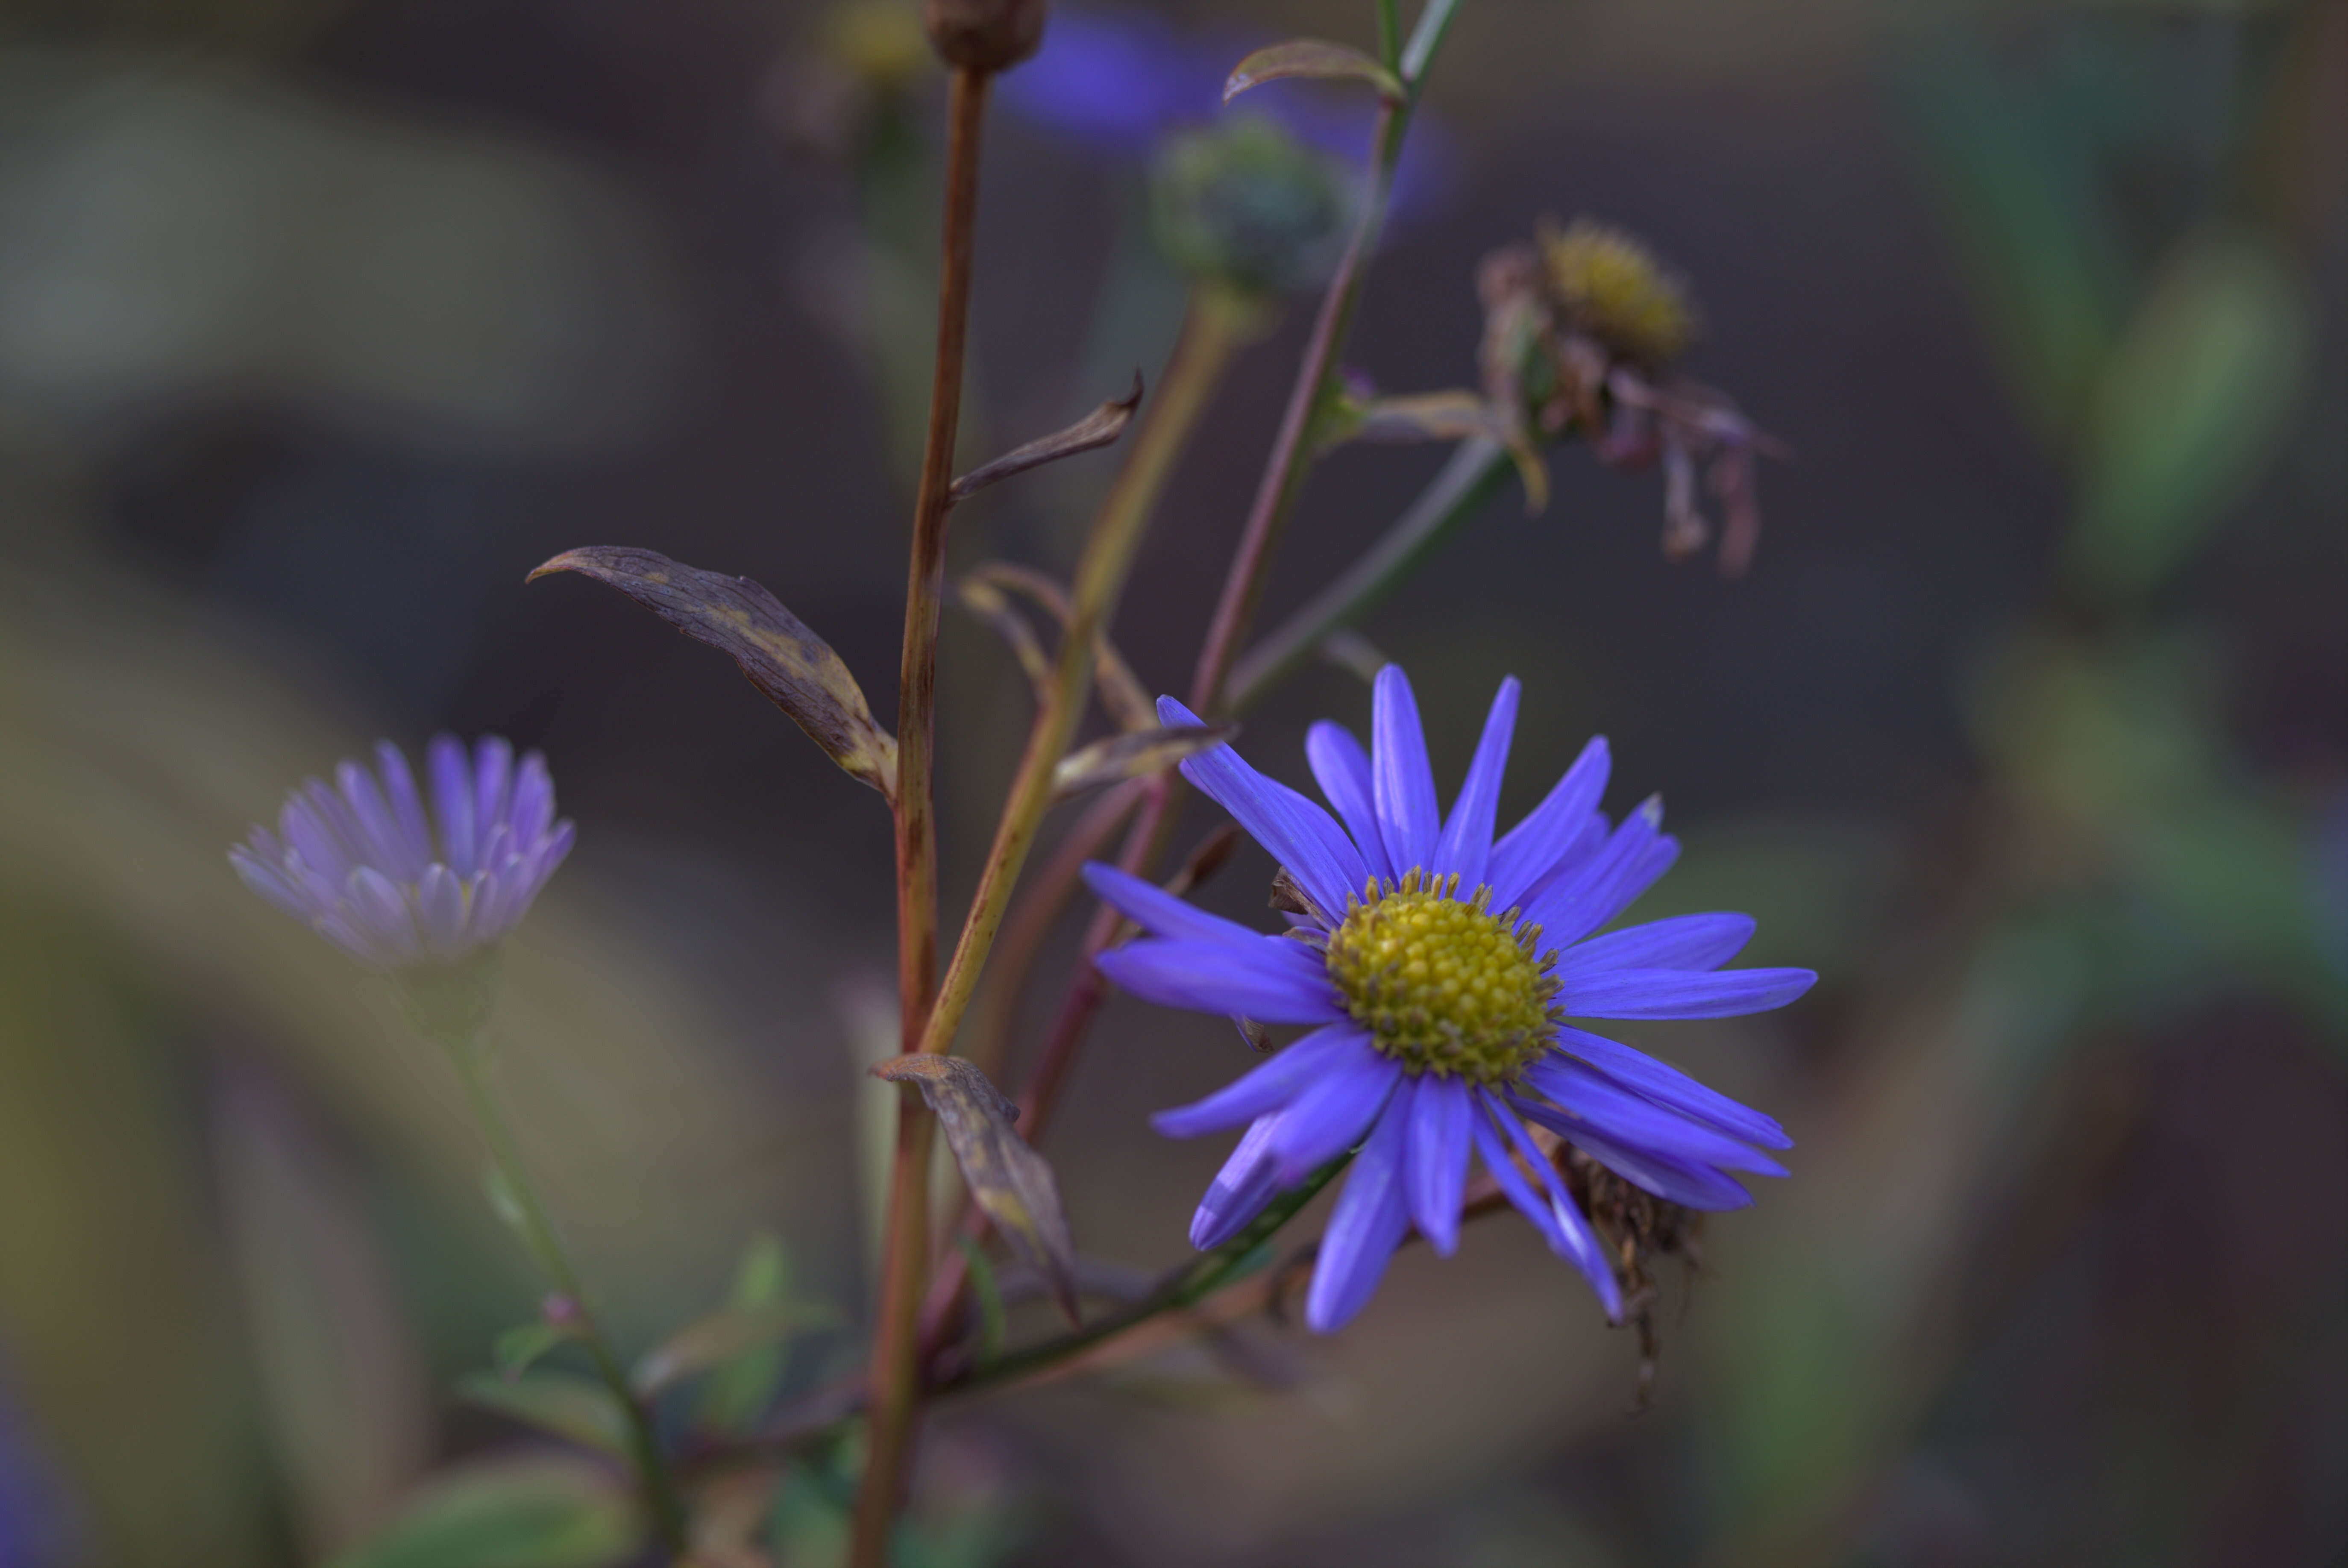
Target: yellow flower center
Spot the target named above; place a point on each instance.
(1443, 984)
(1613, 286)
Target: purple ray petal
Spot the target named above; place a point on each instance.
(1686, 941)
(376, 907)
(1271, 1086)
(1331, 1113)
(310, 835)
(1247, 1181)
(1466, 846)
(1342, 768)
(1681, 993)
(533, 799)
(1159, 912)
(1579, 902)
(440, 909)
(406, 806)
(1579, 1244)
(384, 845)
(1667, 1085)
(453, 797)
(1316, 852)
(1690, 1186)
(1528, 851)
(1436, 1170)
(1366, 1225)
(492, 783)
(1274, 981)
(1590, 1099)
(270, 883)
(1403, 785)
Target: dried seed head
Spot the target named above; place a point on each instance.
(1612, 287)
(985, 35)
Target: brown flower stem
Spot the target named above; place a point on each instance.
(891, 1373)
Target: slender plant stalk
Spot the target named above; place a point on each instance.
(890, 1374)
(987, 1036)
(1478, 469)
(539, 1234)
(1215, 326)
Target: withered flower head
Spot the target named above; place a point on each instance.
(1580, 330)
(1611, 287)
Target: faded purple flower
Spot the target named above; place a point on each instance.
(1438, 966)
(363, 866)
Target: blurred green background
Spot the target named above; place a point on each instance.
(323, 321)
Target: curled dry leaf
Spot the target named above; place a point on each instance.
(1123, 757)
(798, 670)
(1317, 58)
(986, 601)
(1009, 1180)
(1121, 692)
(1095, 430)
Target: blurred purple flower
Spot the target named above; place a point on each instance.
(1116, 84)
(363, 867)
(1441, 1012)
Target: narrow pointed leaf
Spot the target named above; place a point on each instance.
(1121, 691)
(717, 1339)
(1009, 1180)
(1317, 58)
(736, 1393)
(795, 668)
(1122, 756)
(542, 1512)
(1454, 416)
(573, 1408)
(519, 1347)
(1095, 430)
(991, 606)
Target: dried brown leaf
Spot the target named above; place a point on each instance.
(1128, 756)
(798, 670)
(1317, 58)
(1009, 1180)
(1095, 430)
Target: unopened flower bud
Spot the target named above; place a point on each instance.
(1247, 204)
(985, 35)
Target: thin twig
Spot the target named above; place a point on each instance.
(891, 1374)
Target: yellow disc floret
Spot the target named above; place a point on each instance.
(1612, 287)
(1443, 984)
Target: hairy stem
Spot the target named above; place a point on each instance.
(890, 1374)
(539, 1235)
(1475, 474)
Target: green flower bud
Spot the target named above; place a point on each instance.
(1248, 205)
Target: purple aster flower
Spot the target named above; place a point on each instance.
(1438, 967)
(362, 864)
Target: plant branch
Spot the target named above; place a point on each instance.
(891, 1371)
(539, 1235)
(1477, 469)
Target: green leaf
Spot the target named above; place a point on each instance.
(795, 668)
(1009, 1180)
(717, 1339)
(738, 1392)
(543, 1511)
(522, 1344)
(1317, 60)
(2189, 407)
(576, 1409)
(1123, 757)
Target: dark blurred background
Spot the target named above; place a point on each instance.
(323, 321)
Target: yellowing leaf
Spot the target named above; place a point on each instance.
(795, 668)
(1316, 58)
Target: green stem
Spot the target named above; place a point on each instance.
(1216, 324)
(1478, 469)
(546, 1247)
(1389, 34)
